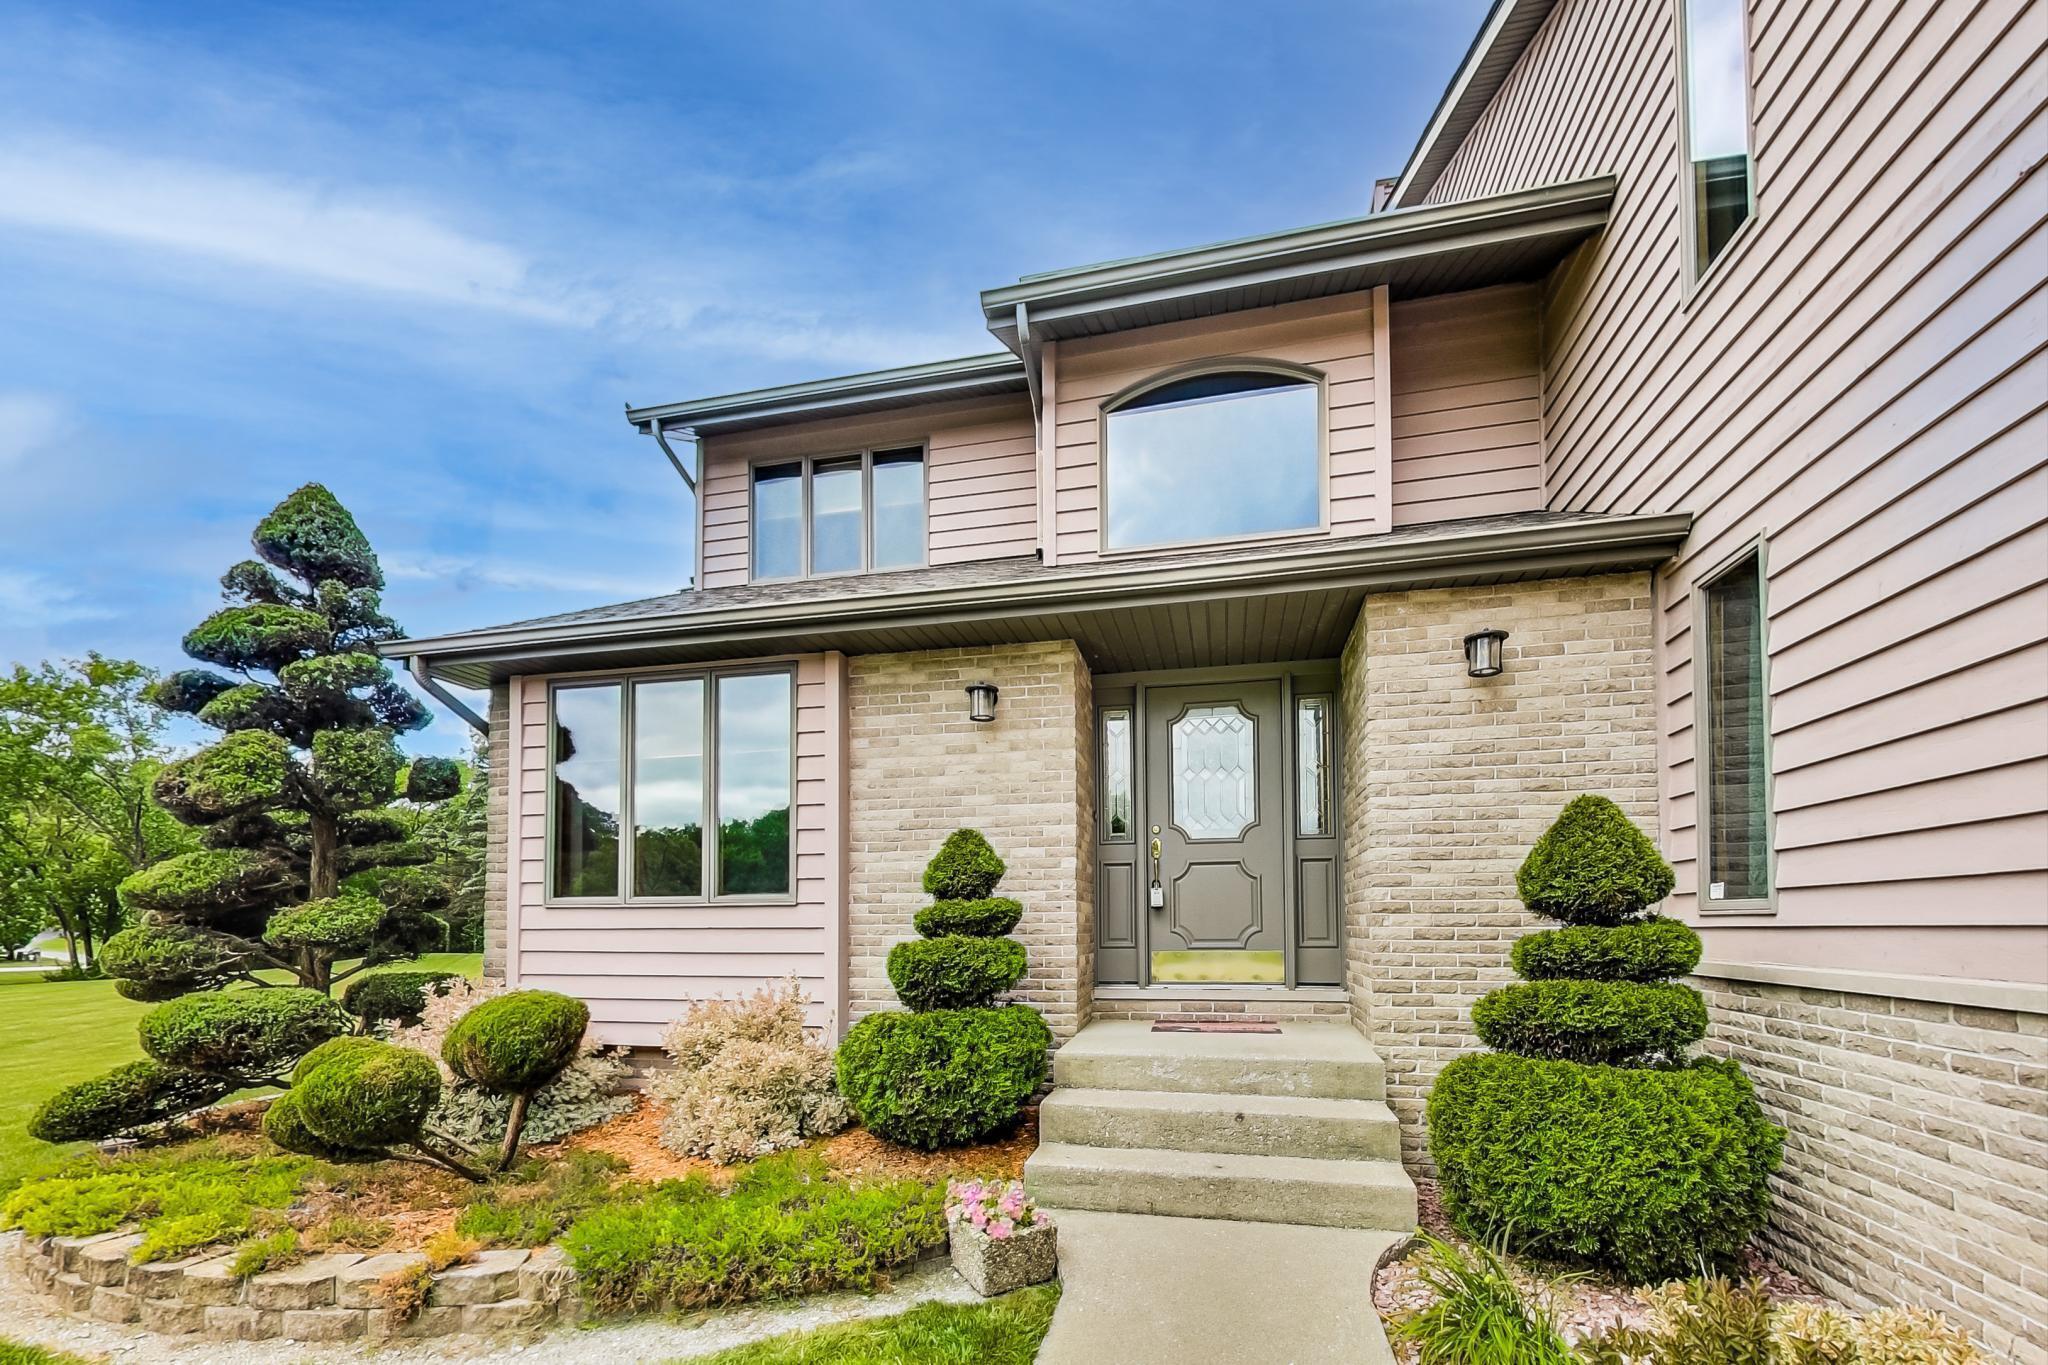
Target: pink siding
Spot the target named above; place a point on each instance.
(638, 966)
(1331, 336)
(1862, 379)
(981, 475)
(1467, 383)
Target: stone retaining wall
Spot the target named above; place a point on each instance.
(325, 1298)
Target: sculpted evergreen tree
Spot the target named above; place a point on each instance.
(302, 864)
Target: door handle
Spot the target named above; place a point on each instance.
(1158, 896)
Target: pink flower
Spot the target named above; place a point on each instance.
(1000, 1229)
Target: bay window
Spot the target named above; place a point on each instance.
(640, 768)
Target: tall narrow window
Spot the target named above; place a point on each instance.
(1312, 765)
(585, 740)
(1721, 186)
(668, 787)
(899, 509)
(1116, 774)
(1735, 775)
(779, 520)
(836, 516)
(753, 784)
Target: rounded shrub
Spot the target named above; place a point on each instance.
(516, 1042)
(328, 1051)
(285, 1124)
(128, 1097)
(944, 1078)
(432, 779)
(206, 882)
(364, 1097)
(1593, 866)
(244, 771)
(1591, 1021)
(346, 923)
(393, 997)
(988, 917)
(242, 1033)
(1647, 1169)
(964, 869)
(1653, 949)
(955, 972)
(163, 957)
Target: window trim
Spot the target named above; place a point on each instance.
(1193, 369)
(1696, 277)
(809, 463)
(1756, 547)
(625, 682)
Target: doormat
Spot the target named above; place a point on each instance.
(1165, 1026)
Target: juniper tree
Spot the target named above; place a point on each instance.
(303, 862)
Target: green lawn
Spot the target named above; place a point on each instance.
(60, 1032)
(16, 1353)
(1004, 1331)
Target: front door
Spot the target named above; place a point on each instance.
(1214, 841)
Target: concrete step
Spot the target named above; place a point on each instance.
(1253, 1189)
(1251, 1125)
(1312, 1060)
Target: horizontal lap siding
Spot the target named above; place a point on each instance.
(638, 966)
(1467, 395)
(981, 478)
(1332, 336)
(1861, 379)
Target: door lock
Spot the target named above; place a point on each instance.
(1158, 895)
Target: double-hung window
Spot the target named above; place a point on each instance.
(858, 513)
(1720, 193)
(641, 768)
(1734, 782)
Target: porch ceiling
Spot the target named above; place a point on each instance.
(1248, 605)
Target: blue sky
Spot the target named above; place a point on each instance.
(425, 254)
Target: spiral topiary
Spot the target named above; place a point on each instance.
(1589, 1134)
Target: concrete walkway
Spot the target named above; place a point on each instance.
(1143, 1290)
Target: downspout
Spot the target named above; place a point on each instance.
(418, 666)
(689, 477)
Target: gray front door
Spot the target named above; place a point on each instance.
(1214, 841)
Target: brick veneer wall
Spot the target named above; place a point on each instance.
(1449, 779)
(918, 769)
(498, 855)
(1917, 1138)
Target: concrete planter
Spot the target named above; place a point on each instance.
(993, 1267)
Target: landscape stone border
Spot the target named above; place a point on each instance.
(329, 1297)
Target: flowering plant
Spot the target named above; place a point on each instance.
(998, 1208)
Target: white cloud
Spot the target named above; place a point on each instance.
(32, 600)
(336, 235)
(28, 422)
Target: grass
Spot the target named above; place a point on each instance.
(21, 1353)
(61, 1032)
(1004, 1331)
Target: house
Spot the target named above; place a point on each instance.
(1675, 431)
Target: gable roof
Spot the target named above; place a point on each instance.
(1502, 39)
(905, 386)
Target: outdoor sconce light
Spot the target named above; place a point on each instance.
(981, 702)
(1482, 653)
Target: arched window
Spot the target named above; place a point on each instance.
(1211, 456)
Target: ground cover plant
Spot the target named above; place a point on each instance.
(194, 1197)
(21, 1353)
(1004, 1331)
(747, 1079)
(1588, 1135)
(957, 1067)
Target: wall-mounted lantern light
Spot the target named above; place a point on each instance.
(981, 701)
(1483, 653)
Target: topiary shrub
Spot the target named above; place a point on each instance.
(393, 997)
(285, 1125)
(342, 924)
(155, 961)
(747, 1080)
(1649, 1170)
(988, 917)
(129, 1097)
(513, 1045)
(946, 1077)
(329, 1050)
(964, 869)
(1653, 949)
(1589, 1136)
(248, 1036)
(955, 972)
(368, 1094)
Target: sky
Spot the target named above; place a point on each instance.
(426, 254)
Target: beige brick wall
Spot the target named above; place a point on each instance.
(1915, 1151)
(918, 769)
(1448, 780)
(498, 868)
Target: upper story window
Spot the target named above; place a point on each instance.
(1213, 456)
(839, 514)
(642, 767)
(1734, 739)
(1720, 182)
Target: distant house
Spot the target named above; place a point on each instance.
(1676, 431)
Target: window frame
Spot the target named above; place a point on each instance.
(866, 456)
(1192, 370)
(1757, 548)
(1695, 275)
(1128, 712)
(708, 854)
